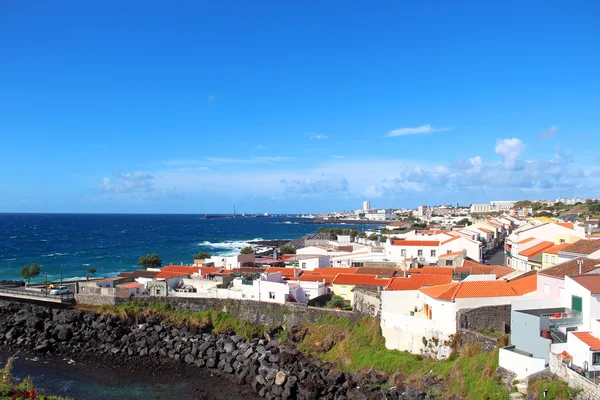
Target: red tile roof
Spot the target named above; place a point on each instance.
(285, 272)
(437, 270)
(523, 284)
(180, 268)
(213, 270)
(416, 243)
(590, 282)
(470, 290)
(331, 271)
(451, 239)
(529, 239)
(589, 339)
(360, 280)
(456, 253)
(566, 225)
(557, 248)
(315, 278)
(131, 285)
(571, 268)
(583, 247)
(169, 275)
(415, 282)
(535, 250)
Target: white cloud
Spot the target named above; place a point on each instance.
(137, 181)
(548, 133)
(510, 150)
(419, 130)
(314, 136)
(476, 164)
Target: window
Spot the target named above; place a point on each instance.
(595, 358)
(303, 265)
(546, 258)
(448, 263)
(576, 303)
(420, 252)
(553, 260)
(432, 253)
(272, 295)
(403, 253)
(448, 251)
(508, 261)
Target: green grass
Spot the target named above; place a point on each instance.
(471, 375)
(557, 389)
(220, 322)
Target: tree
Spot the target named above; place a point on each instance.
(464, 222)
(522, 204)
(92, 270)
(247, 250)
(361, 235)
(30, 271)
(287, 250)
(201, 255)
(373, 236)
(336, 302)
(150, 261)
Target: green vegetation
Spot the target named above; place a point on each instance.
(287, 250)
(336, 302)
(150, 261)
(373, 236)
(352, 232)
(360, 346)
(30, 271)
(247, 250)
(92, 270)
(557, 389)
(219, 321)
(464, 222)
(11, 390)
(201, 255)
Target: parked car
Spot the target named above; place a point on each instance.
(60, 290)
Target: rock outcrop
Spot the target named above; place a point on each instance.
(273, 370)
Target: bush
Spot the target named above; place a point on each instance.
(201, 255)
(336, 302)
(247, 250)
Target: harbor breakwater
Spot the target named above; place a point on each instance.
(273, 370)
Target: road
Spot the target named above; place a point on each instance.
(497, 258)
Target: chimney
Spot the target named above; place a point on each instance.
(276, 255)
(580, 263)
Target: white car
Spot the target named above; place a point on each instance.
(60, 290)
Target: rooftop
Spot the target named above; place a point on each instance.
(285, 272)
(583, 247)
(590, 282)
(557, 248)
(380, 271)
(571, 268)
(131, 285)
(415, 282)
(169, 274)
(360, 280)
(180, 268)
(529, 239)
(416, 243)
(589, 339)
(473, 289)
(454, 254)
(138, 274)
(536, 249)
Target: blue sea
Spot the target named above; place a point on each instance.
(110, 243)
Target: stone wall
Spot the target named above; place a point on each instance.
(97, 299)
(286, 315)
(488, 343)
(367, 302)
(589, 390)
(496, 318)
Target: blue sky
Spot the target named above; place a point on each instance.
(295, 107)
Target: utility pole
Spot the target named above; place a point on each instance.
(46, 284)
(61, 274)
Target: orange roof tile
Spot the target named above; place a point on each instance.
(437, 270)
(449, 240)
(485, 230)
(285, 272)
(415, 282)
(535, 250)
(169, 275)
(360, 280)
(315, 278)
(589, 339)
(416, 243)
(470, 290)
(131, 285)
(529, 239)
(590, 282)
(523, 285)
(331, 271)
(456, 253)
(566, 225)
(180, 268)
(557, 248)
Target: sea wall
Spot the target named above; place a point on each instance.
(273, 370)
(286, 315)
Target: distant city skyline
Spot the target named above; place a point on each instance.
(295, 108)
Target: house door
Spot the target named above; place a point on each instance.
(576, 303)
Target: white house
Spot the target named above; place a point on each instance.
(314, 250)
(230, 262)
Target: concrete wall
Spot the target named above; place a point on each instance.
(520, 364)
(496, 318)
(589, 391)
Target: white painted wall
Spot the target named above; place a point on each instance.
(312, 250)
(581, 352)
(521, 365)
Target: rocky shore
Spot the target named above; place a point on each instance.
(273, 370)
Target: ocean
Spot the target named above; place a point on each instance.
(72, 243)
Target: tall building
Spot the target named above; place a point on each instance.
(366, 205)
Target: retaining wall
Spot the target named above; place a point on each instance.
(589, 390)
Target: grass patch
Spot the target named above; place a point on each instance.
(217, 321)
(557, 389)
(471, 375)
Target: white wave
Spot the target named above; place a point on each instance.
(48, 255)
(9, 259)
(233, 246)
(13, 237)
(85, 265)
